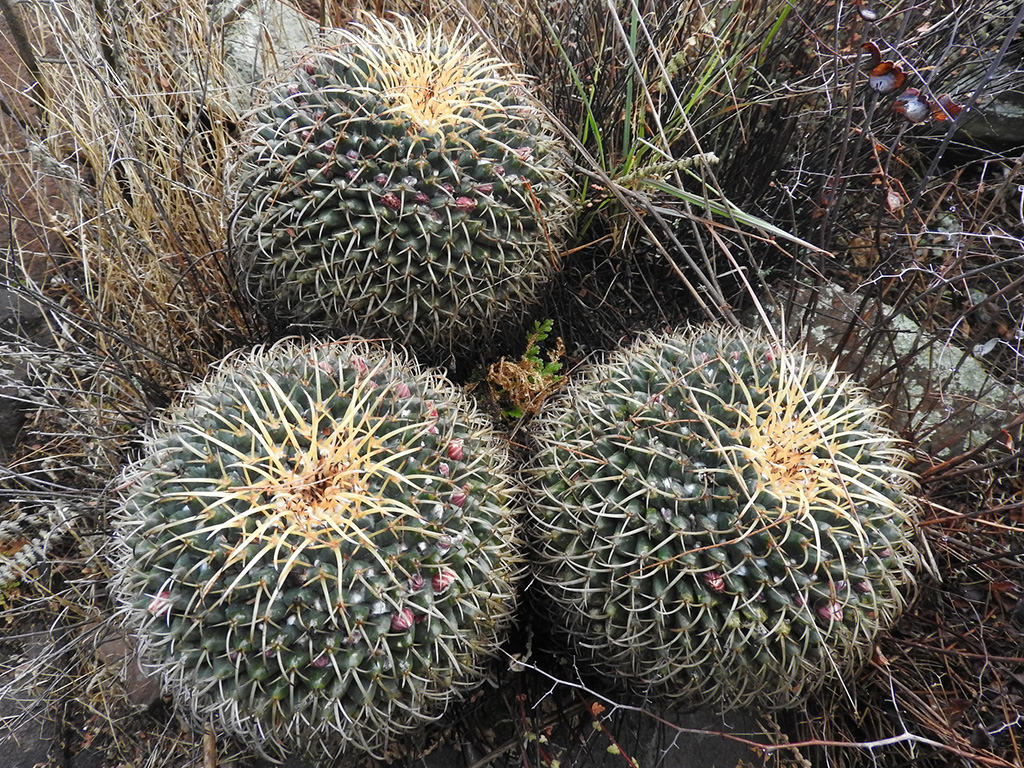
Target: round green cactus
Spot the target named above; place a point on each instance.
(720, 520)
(401, 184)
(317, 549)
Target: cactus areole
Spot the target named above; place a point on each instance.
(720, 520)
(316, 548)
(402, 184)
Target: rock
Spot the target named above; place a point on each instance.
(12, 418)
(24, 240)
(140, 689)
(999, 120)
(265, 37)
(31, 736)
(18, 315)
(19, 319)
(940, 394)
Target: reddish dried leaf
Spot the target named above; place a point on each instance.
(875, 54)
(886, 77)
(944, 108)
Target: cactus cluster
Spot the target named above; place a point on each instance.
(720, 519)
(400, 184)
(316, 547)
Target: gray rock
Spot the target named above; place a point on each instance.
(267, 36)
(999, 120)
(119, 654)
(937, 392)
(638, 735)
(18, 315)
(28, 736)
(20, 319)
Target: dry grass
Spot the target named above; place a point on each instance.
(135, 138)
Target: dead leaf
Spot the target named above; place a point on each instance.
(209, 748)
(863, 252)
(894, 201)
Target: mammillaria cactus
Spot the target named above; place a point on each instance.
(316, 547)
(719, 519)
(402, 184)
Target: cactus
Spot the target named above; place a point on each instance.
(720, 520)
(316, 549)
(400, 184)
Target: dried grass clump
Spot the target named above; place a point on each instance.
(132, 130)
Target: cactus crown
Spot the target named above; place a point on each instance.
(797, 427)
(317, 549)
(434, 80)
(400, 184)
(720, 519)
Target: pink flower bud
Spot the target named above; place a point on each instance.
(831, 612)
(391, 201)
(402, 391)
(455, 451)
(402, 620)
(714, 581)
(465, 203)
(321, 661)
(886, 77)
(442, 579)
(324, 366)
(160, 604)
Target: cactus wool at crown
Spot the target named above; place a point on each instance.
(400, 184)
(720, 520)
(316, 547)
